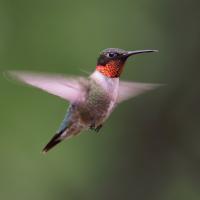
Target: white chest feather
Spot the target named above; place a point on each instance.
(110, 85)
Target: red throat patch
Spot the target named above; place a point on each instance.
(112, 69)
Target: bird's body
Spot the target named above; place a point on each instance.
(91, 99)
(91, 110)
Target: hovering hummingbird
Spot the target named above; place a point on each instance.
(92, 99)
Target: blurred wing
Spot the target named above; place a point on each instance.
(67, 88)
(129, 90)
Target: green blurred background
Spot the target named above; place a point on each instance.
(149, 148)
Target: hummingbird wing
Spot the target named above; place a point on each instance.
(67, 88)
(129, 90)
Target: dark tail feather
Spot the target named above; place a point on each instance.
(53, 142)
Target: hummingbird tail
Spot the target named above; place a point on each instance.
(56, 139)
(61, 134)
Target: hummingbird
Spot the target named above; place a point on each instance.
(92, 99)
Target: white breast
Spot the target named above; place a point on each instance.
(110, 85)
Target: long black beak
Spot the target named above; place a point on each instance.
(130, 53)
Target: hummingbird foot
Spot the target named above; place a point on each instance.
(94, 128)
(97, 129)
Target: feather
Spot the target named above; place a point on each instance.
(67, 88)
(129, 90)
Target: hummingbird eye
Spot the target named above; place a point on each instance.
(111, 55)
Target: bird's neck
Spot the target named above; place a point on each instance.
(109, 84)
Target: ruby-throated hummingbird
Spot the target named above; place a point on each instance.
(91, 99)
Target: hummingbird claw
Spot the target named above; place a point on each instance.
(97, 129)
(94, 128)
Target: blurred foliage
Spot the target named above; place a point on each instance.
(149, 148)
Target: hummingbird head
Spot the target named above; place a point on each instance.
(111, 61)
